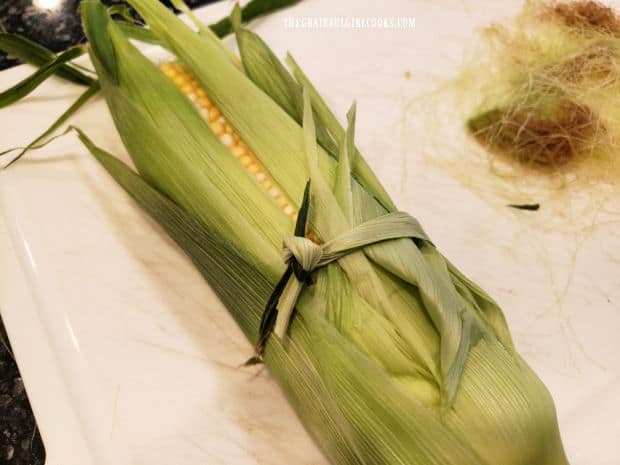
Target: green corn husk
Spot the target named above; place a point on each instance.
(392, 356)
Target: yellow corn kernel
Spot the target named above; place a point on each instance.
(245, 160)
(187, 89)
(204, 103)
(281, 201)
(214, 114)
(179, 80)
(217, 128)
(168, 69)
(237, 151)
(226, 139)
(253, 168)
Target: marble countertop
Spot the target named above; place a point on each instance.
(20, 440)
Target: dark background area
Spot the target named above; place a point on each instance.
(56, 28)
(20, 442)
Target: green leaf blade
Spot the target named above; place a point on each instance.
(26, 86)
(37, 55)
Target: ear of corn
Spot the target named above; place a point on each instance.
(392, 356)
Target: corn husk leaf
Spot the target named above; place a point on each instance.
(26, 86)
(45, 137)
(139, 33)
(264, 68)
(122, 11)
(37, 55)
(343, 193)
(363, 172)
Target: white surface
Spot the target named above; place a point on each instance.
(128, 357)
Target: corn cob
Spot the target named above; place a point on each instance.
(393, 356)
